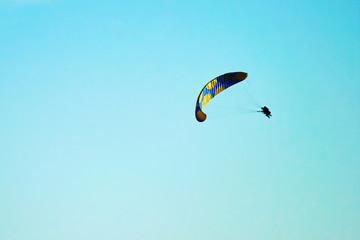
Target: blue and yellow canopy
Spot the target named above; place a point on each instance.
(213, 88)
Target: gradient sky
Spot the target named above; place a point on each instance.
(98, 138)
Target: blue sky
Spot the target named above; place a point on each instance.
(98, 138)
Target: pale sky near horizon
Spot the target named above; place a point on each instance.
(98, 138)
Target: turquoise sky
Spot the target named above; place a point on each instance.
(98, 138)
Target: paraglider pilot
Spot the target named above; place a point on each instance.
(265, 110)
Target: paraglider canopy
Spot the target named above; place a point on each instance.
(213, 88)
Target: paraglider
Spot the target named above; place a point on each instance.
(216, 86)
(265, 110)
